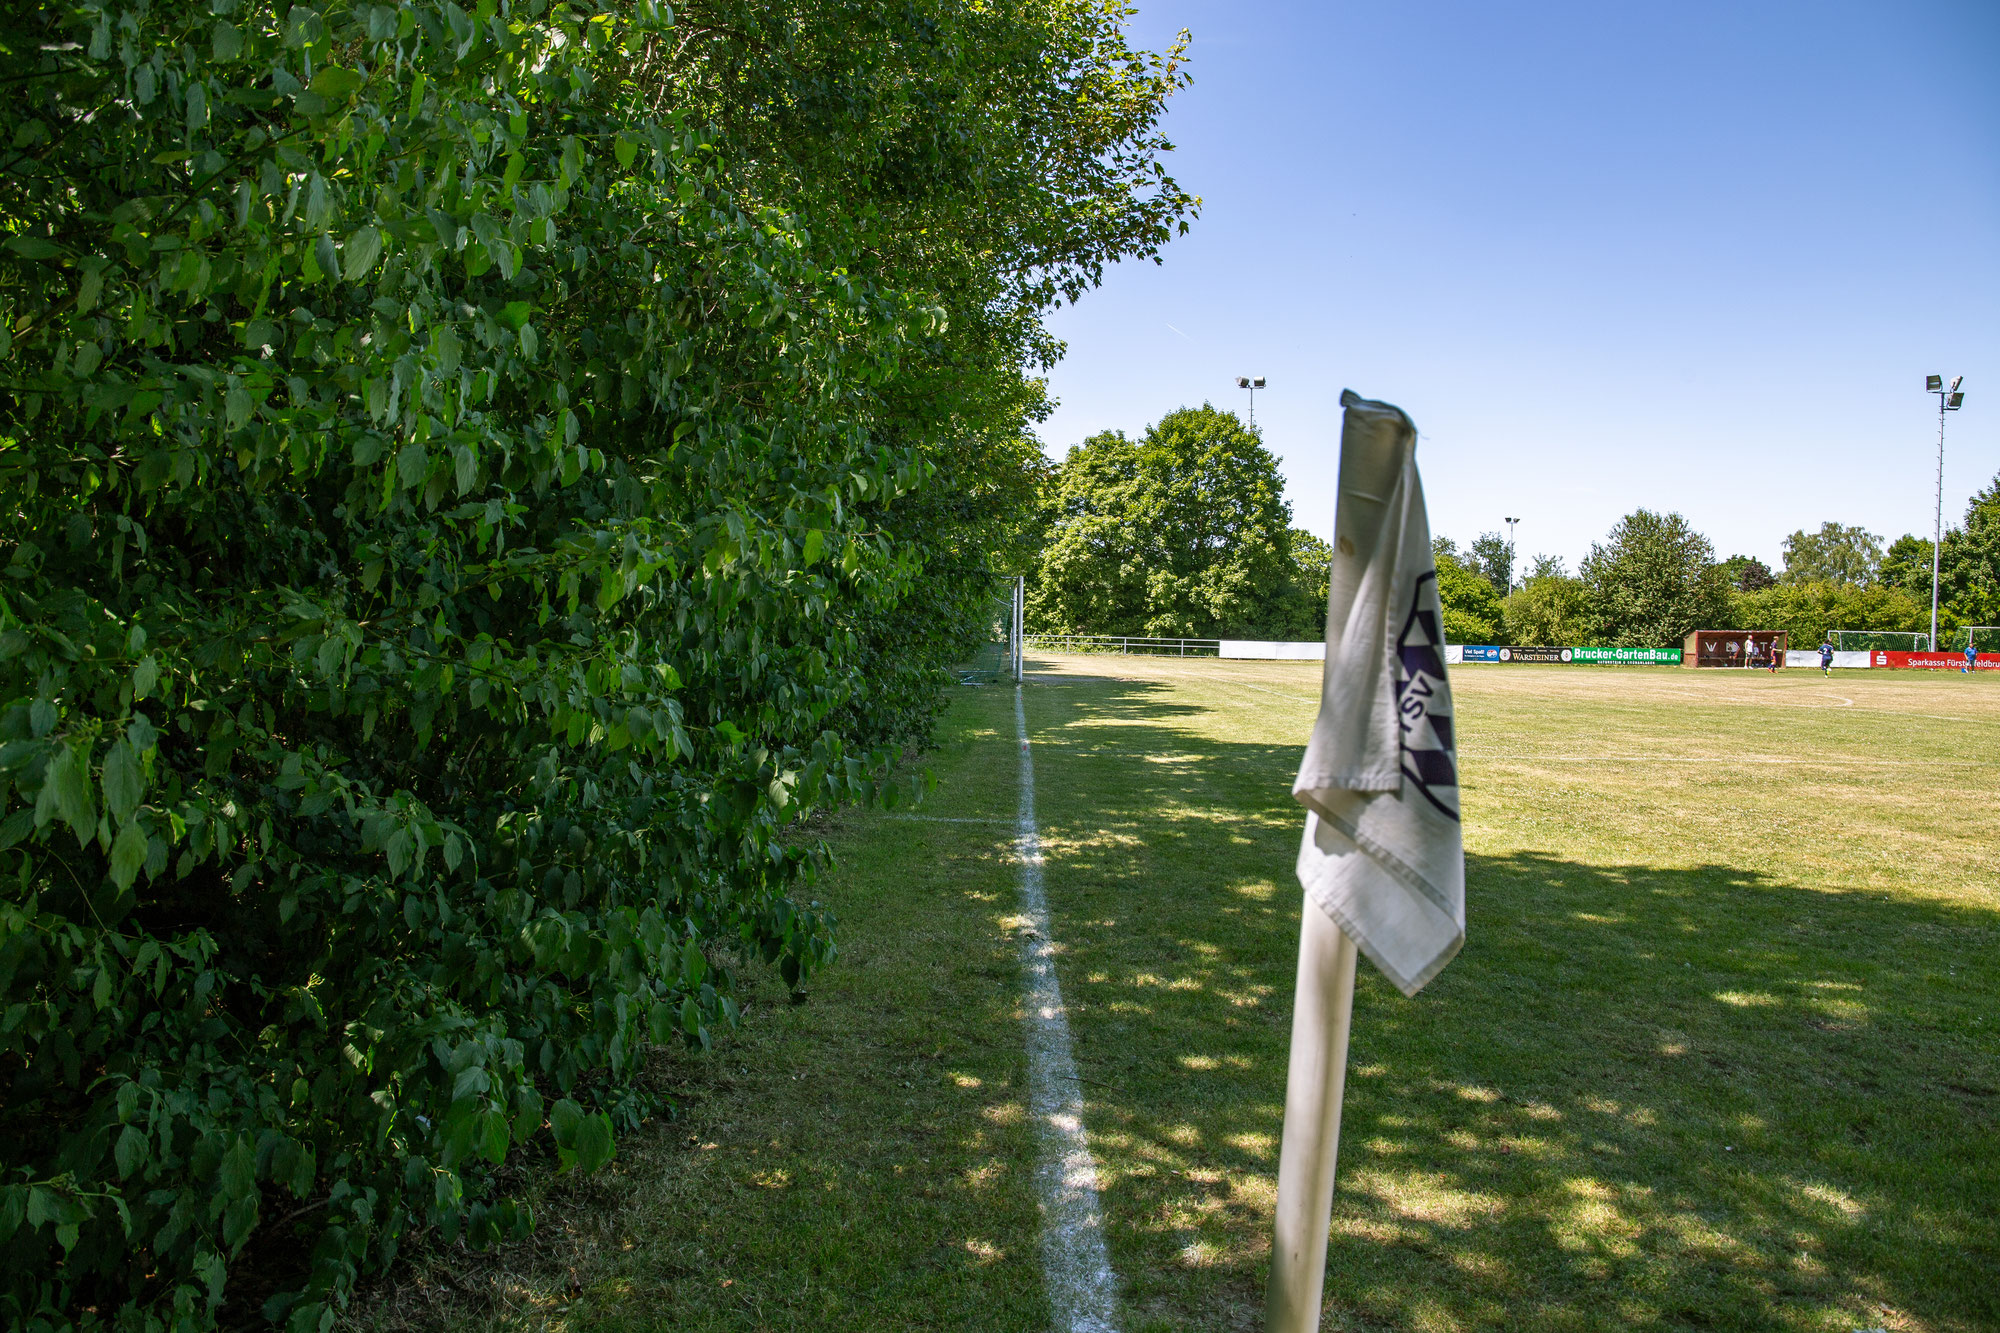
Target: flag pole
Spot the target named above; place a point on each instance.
(1324, 1006)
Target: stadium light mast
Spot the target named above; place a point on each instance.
(1949, 400)
(1511, 557)
(1252, 383)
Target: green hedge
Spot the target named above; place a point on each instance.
(474, 481)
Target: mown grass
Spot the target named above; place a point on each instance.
(1720, 1052)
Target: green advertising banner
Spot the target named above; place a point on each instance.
(1628, 656)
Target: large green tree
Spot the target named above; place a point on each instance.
(1837, 553)
(474, 480)
(1968, 564)
(1651, 580)
(1182, 533)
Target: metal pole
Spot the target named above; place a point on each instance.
(1937, 525)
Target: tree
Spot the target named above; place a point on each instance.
(1811, 611)
(1183, 533)
(1548, 608)
(1312, 561)
(1652, 580)
(1746, 573)
(1493, 558)
(1471, 604)
(1834, 554)
(476, 482)
(1968, 562)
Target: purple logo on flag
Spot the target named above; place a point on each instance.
(1420, 703)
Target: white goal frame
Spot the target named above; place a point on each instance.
(1918, 640)
(1985, 638)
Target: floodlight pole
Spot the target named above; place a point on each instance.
(1512, 558)
(1949, 400)
(1252, 384)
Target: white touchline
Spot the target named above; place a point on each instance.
(1074, 1259)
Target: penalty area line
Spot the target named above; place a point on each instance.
(1075, 1262)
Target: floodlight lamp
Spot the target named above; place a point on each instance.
(1956, 380)
(1932, 383)
(1257, 383)
(1953, 403)
(1242, 382)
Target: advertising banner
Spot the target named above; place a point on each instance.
(1536, 654)
(1936, 661)
(1479, 653)
(1630, 656)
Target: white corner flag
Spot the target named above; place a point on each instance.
(1382, 862)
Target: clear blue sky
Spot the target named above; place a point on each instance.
(1693, 256)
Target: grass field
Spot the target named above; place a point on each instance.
(1722, 1050)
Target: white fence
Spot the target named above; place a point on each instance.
(1124, 645)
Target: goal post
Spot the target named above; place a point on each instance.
(995, 656)
(1984, 639)
(1884, 640)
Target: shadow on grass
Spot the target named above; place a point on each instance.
(1643, 1096)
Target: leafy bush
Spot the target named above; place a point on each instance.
(473, 482)
(1811, 611)
(1471, 603)
(1548, 609)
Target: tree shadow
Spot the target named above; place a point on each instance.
(1657, 1096)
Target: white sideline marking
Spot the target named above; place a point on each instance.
(1074, 1260)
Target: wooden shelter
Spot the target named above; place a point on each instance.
(1733, 647)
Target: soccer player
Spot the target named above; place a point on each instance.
(1825, 657)
(1777, 657)
(1971, 656)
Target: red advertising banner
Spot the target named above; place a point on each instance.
(1935, 661)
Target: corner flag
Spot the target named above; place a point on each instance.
(1382, 861)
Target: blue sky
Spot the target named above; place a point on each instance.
(1690, 256)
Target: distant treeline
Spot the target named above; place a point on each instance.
(1185, 533)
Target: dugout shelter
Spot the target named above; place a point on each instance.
(1733, 647)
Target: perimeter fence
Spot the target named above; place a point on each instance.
(1123, 645)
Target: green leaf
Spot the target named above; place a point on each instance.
(129, 853)
(69, 778)
(144, 676)
(594, 1145)
(132, 1150)
(625, 150)
(236, 1178)
(124, 780)
(335, 83)
(564, 1118)
(31, 247)
(815, 547)
(515, 313)
(493, 1136)
(364, 247)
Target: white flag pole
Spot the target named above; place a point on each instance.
(1313, 1089)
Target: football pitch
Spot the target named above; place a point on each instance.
(1722, 1050)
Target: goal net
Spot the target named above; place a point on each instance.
(1870, 640)
(1984, 638)
(996, 654)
